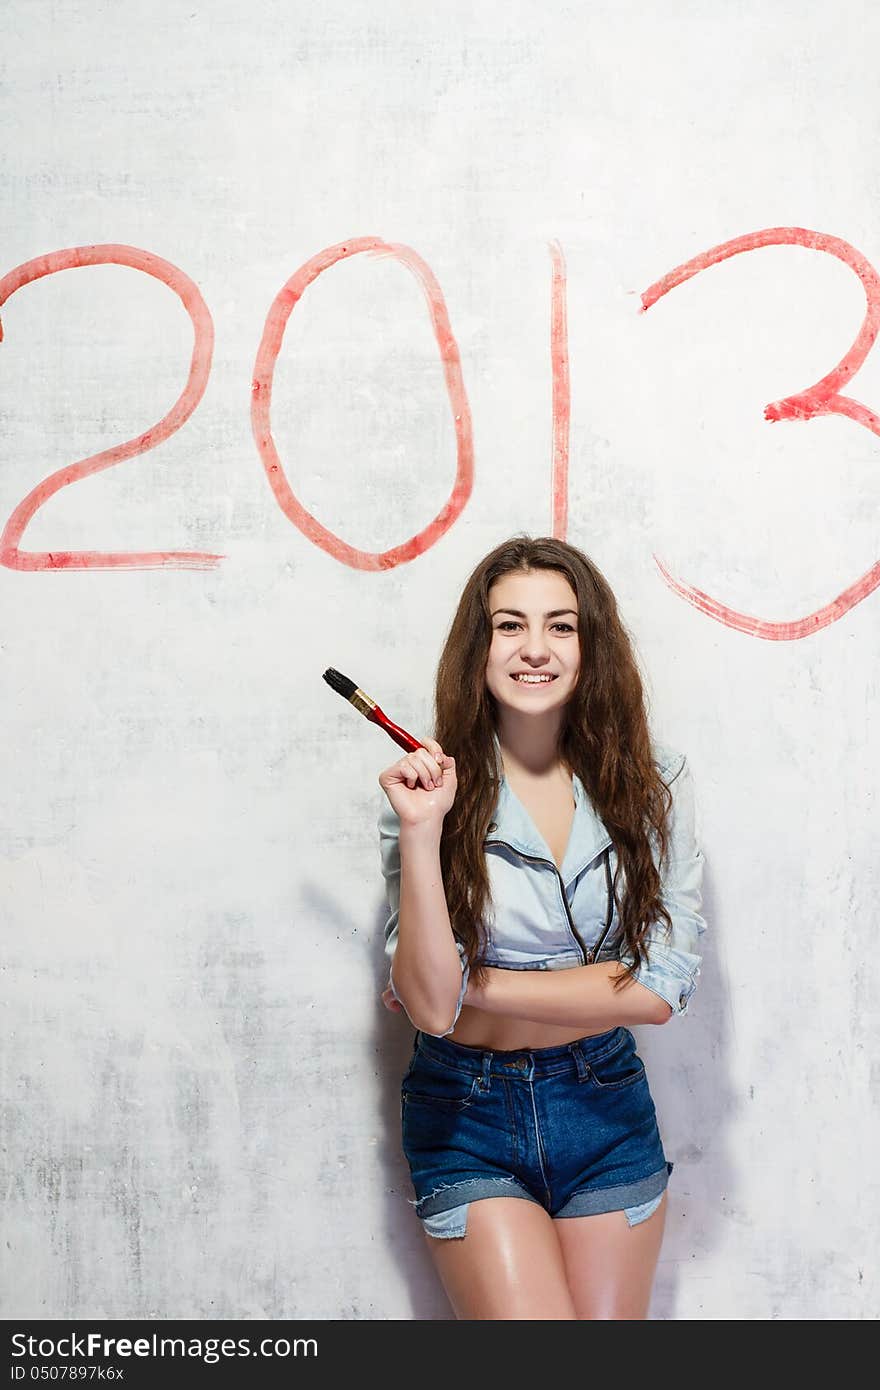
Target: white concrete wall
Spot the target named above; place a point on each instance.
(200, 1085)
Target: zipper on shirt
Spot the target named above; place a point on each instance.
(589, 955)
(610, 892)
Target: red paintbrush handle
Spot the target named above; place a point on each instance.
(400, 736)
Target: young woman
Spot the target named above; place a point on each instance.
(545, 885)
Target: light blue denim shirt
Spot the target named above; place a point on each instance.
(541, 918)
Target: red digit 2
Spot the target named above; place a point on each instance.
(112, 254)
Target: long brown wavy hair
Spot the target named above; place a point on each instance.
(604, 738)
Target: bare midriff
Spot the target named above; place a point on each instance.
(476, 1028)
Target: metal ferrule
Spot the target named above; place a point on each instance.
(362, 703)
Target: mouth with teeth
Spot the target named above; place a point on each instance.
(529, 678)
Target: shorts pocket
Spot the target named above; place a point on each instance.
(444, 1088)
(620, 1067)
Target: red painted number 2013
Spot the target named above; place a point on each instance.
(823, 398)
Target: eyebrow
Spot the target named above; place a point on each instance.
(554, 613)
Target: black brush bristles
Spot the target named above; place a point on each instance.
(340, 683)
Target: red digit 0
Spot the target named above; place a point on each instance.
(261, 399)
(200, 366)
(822, 399)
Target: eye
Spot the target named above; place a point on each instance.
(511, 622)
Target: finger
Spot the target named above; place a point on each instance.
(433, 764)
(434, 747)
(407, 771)
(430, 771)
(437, 753)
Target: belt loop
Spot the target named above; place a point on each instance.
(485, 1081)
(577, 1052)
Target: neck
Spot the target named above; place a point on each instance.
(529, 745)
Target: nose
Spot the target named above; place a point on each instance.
(535, 648)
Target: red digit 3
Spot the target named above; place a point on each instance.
(823, 398)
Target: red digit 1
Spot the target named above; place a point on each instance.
(822, 399)
(200, 366)
(561, 392)
(264, 370)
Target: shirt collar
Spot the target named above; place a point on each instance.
(511, 824)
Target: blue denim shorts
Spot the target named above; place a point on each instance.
(572, 1128)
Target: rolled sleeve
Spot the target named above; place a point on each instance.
(465, 975)
(675, 957)
(389, 849)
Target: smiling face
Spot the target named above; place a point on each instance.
(534, 636)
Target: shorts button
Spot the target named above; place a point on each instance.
(682, 1000)
(493, 825)
(521, 1063)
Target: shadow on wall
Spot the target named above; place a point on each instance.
(393, 1044)
(696, 1103)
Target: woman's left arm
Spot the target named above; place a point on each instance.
(580, 997)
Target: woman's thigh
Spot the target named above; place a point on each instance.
(508, 1265)
(610, 1265)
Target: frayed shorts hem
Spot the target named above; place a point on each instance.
(445, 1218)
(470, 1189)
(450, 1222)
